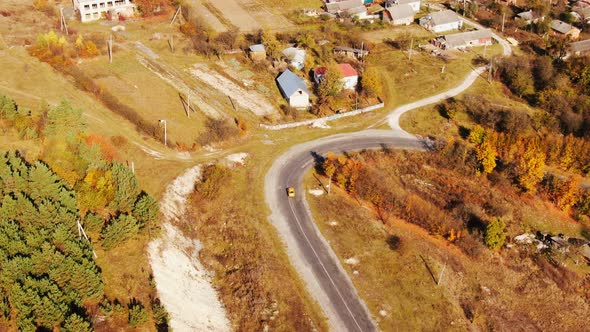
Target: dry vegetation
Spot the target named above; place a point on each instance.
(252, 274)
(433, 215)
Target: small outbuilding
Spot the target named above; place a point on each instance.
(296, 57)
(349, 52)
(257, 52)
(294, 90)
(399, 15)
(444, 20)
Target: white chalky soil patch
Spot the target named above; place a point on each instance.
(183, 284)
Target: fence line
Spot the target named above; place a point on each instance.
(325, 119)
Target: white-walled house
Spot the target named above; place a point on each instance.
(92, 10)
(444, 20)
(350, 76)
(463, 40)
(293, 89)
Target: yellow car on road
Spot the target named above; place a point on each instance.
(291, 192)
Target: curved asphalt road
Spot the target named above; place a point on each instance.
(308, 250)
(311, 254)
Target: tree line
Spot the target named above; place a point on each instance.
(48, 276)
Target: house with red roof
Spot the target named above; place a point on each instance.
(350, 76)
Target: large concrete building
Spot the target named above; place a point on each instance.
(92, 10)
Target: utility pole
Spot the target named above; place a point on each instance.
(132, 167)
(165, 132)
(62, 21)
(81, 232)
(441, 274)
(329, 185)
(464, 14)
(176, 14)
(171, 43)
(110, 47)
(490, 72)
(503, 20)
(442, 71)
(188, 104)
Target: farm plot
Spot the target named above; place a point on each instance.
(201, 11)
(267, 17)
(236, 15)
(250, 100)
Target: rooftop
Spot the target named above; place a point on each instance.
(347, 70)
(462, 38)
(257, 48)
(581, 46)
(290, 83)
(561, 26)
(400, 11)
(443, 17)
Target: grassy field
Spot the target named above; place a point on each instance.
(428, 120)
(408, 79)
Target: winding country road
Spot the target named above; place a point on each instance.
(311, 254)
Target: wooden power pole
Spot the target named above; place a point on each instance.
(110, 47)
(62, 21)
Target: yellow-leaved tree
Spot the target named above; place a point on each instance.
(531, 165)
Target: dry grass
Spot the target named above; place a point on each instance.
(510, 290)
(408, 80)
(250, 264)
(428, 121)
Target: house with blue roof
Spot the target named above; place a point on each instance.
(293, 89)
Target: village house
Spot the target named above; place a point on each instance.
(444, 20)
(92, 10)
(584, 11)
(579, 48)
(528, 17)
(349, 52)
(399, 15)
(415, 4)
(565, 29)
(257, 52)
(350, 76)
(464, 39)
(296, 57)
(293, 89)
(351, 7)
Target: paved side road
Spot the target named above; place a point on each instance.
(312, 256)
(394, 116)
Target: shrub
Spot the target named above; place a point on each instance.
(137, 314)
(495, 233)
(217, 130)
